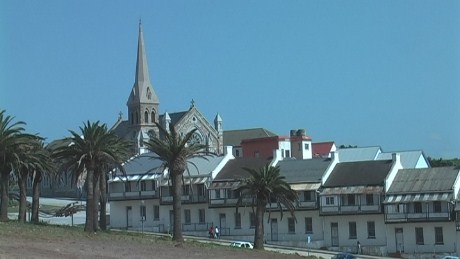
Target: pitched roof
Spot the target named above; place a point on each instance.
(362, 173)
(203, 165)
(141, 164)
(358, 154)
(424, 180)
(321, 149)
(233, 169)
(175, 116)
(234, 137)
(409, 159)
(307, 170)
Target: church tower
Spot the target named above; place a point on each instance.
(143, 102)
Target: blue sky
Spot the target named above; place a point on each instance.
(355, 72)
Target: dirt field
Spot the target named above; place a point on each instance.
(39, 242)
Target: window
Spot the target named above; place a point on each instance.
(127, 187)
(308, 225)
(186, 190)
(437, 206)
(146, 117)
(352, 230)
(143, 212)
(237, 153)
(351, 199)
(152, 116)
(288, 154)
(217, 194)
(238, 220)
(188, 218)
(417, 207)
(419, 236)
(252, 220)
(156, 212)
(370, 199)
(308, 196)
(201, 216)
(291, 225)
(143, 186)
(307, 146)
(329, 200)
(371, 229)
(438, 237)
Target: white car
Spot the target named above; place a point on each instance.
(241, 244)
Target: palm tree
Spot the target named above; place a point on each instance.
(44, 166)
(265, 186)
(174, 151)
(84, 155)
(12, 137)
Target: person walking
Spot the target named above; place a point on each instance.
(211, 232)
(216, 231)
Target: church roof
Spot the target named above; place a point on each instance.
(234, 137)
(175, 116)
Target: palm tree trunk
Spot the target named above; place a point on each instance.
(35, 199)
(176, 179)
(5, 198)
(96, 201)
(259, 235)
(103, 200)
(89, 224)
(22, 197)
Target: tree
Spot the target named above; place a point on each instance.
(174, 151)
(84, 155)
(12, 137)
(265, 186)
(45, 166)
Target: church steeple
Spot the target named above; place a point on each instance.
(143, 102)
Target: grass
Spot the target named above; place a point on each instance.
(49, 209)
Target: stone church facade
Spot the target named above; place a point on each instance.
(143, 114)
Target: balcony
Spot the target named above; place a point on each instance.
(350, 209)
(186, 199)
(417, 217)
(133, 195)
(229, 202)
(307, 205)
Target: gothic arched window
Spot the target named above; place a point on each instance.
(146, 117)
(153, 116)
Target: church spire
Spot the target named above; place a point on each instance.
(142, 69)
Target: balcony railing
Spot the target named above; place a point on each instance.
(135, 195)
(185, 199)
(350, 209)
(228, 202)
(307, 205)
(425, 216)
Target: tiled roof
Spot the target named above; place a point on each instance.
(321, 149)
(363, 173)
(424, 180)
(234, 137)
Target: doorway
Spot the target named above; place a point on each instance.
(129, 216)
(274, 229)
(399, 237)
(334, 234)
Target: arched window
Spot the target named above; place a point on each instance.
(153, 116)
(146, 117)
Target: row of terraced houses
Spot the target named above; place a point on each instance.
(388, 202)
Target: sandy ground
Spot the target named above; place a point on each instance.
(17, 246)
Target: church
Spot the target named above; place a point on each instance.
(143, 114)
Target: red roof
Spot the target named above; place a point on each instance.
(321, 149)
